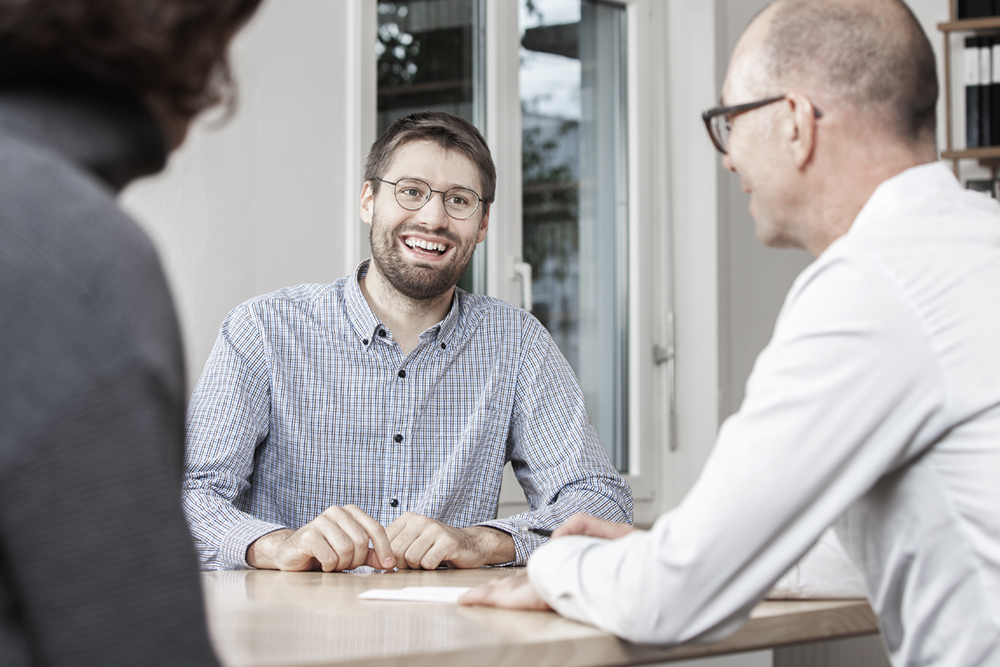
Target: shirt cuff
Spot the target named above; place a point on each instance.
(233, 550)
(524, 543)
(554, 571)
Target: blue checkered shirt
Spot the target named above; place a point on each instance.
(307, 402)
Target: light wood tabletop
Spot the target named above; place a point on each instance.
(260, 618)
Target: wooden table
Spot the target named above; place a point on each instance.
(263, 618)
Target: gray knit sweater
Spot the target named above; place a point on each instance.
(96, 563)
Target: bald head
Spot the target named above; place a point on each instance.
(869, 56)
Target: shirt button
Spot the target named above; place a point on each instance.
(365, 341)
(398, 437)
(381, 333)
(402, 373)
(394, 503)
(443, 346)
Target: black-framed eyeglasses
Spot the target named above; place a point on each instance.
(717, 120)
(413, 193)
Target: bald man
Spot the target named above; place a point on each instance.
(875, 408)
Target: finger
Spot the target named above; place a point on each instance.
(357, 534)
(401, 524)
(405, 530)
(592, 526)
(384, 559)
(316, 544)
(343, 544)
(575, 525)
(414, 554)
(487, 593)
(441, 549)
(477, 596)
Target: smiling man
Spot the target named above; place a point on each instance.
(368, 422)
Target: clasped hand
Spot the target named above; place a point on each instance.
(338, 539)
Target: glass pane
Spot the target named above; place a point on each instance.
(575, 196)
(430, 59)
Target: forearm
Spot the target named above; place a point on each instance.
(263, 553)
(496, 546)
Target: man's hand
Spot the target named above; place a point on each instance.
(591, 526)
(335, 540)
(419, 542)
(514, 592)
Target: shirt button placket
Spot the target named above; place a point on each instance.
(396, 470)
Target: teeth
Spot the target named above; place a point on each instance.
(426, 245)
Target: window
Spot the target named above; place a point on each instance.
(573, 236)
(574, 196)
(430, 58)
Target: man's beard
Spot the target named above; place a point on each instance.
(415, 280)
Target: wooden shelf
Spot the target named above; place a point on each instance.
(985, 23)
(988, 156)
(985, 153)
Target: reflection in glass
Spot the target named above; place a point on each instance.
(575, 196)
(429, 59)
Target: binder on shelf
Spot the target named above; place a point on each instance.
(985, 91)
(987, 186)
(972, 109)
(972, 9)
(995, 91)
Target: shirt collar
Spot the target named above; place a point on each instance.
(113, 135)
(366, 324)
(905, 189)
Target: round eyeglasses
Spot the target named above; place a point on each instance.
(413, 193)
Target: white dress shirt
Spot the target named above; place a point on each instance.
(875, 408)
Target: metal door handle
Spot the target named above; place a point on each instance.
(523, 271)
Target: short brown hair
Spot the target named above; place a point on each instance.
(448, 131)
(174, 48)
(870, 54)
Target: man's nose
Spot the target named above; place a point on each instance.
(433, 211)
(727, 163)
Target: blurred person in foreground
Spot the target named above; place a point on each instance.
(875, 408)
(96, 563)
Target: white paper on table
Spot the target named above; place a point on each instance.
(417, 593)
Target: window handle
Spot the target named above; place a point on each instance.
(522, 270)
(664, 354)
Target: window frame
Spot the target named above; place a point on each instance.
(650, 303)
(651, 412)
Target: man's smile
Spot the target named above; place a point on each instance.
(426, 247)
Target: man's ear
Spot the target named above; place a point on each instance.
(484, 223)
(367, 203)
(804, 123)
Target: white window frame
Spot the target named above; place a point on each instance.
(650, 411)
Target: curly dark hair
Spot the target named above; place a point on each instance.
(176, 49)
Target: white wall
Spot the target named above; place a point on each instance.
(269, 199)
